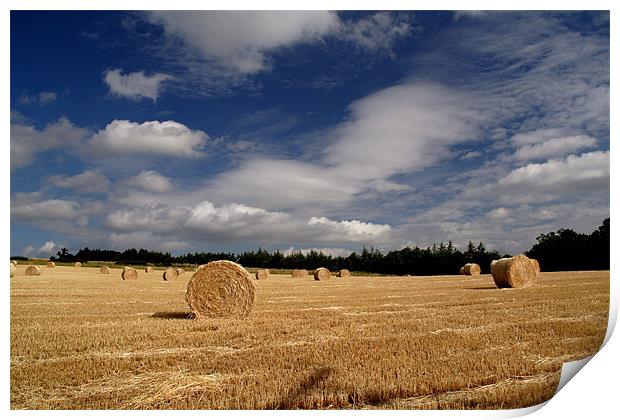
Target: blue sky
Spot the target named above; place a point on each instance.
(295, 130)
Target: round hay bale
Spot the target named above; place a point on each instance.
(462, 270)
(148, 269)
(180, 271)
(50, 264)
(33, 270)
(170, 274)
(343, 273)
(515, 272)
(14, 262)
(322, 274)
(536, 264)
(299, 273)
(262, 274)
(221, 289)
(129, 273)
(77, 264)
(471, 269)
(104, 269)
(12, 269)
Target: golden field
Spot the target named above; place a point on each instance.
(84, 340)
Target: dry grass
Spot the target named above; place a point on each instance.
(80, 339)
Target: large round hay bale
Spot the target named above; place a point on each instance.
(322, 274)
(515, 272)
(262, 274)
(33, 270)
(343, 273)
(50, 264)
(536, 264)
(471, 269)
(104, 269)
(14, 262)
(180, 271)
(148, 269)
(12, 269)
(462, 270)
(299, 273)
(77, 264)
(129, 273)
(170, 274)
(221, 289)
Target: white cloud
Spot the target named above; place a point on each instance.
(160, 218)
(27, 141)
(151, 181)
(376, 32)
(27, 251)
(41, 98)
(47, 209)
(135, 85)
(47, 248)
(352, 230)
(240, 40)
(168, 138)
(145, 240)
(555, 147)
(87, 181)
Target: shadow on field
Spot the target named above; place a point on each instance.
(291, 399)
(173, 315)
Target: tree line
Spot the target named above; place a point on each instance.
(555, 251)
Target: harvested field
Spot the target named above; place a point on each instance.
(85, 340)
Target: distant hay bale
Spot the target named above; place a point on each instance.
(170, 274)
(180, 271)
(299, 273)
(322, 274)
(129, 273)
(148, 269)
(33, 270)
(471, 269)
(104, 269)
(77, 264)
(462, 270)
(12, 269)
(14, 262)
(343, 273)
(515, 272)
(50, 264)
(262, 274)
(221, 289)
(536, 264)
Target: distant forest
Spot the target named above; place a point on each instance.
(563, 250)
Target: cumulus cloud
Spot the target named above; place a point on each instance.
(41, 98)
(27, 141)
(151, 181)
(353, 230)
(555, 147)
(36, 209)
(167, 138)
(145, 240)
(376, 32)
(240, 40)
(135, 85)
(87, 181)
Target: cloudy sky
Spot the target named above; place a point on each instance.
(181, 131)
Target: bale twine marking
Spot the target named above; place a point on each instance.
(33, 270)
(471, 269)
(321, 274)
(343, 273)
(12, 269)
(536, 264)
(50, 264)
(77, 264)
(299, 273)
(148, 269)
(170, 274)
(515, 272)
(221, 289)
(129, 273)
(262, 274)
(104, 269)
